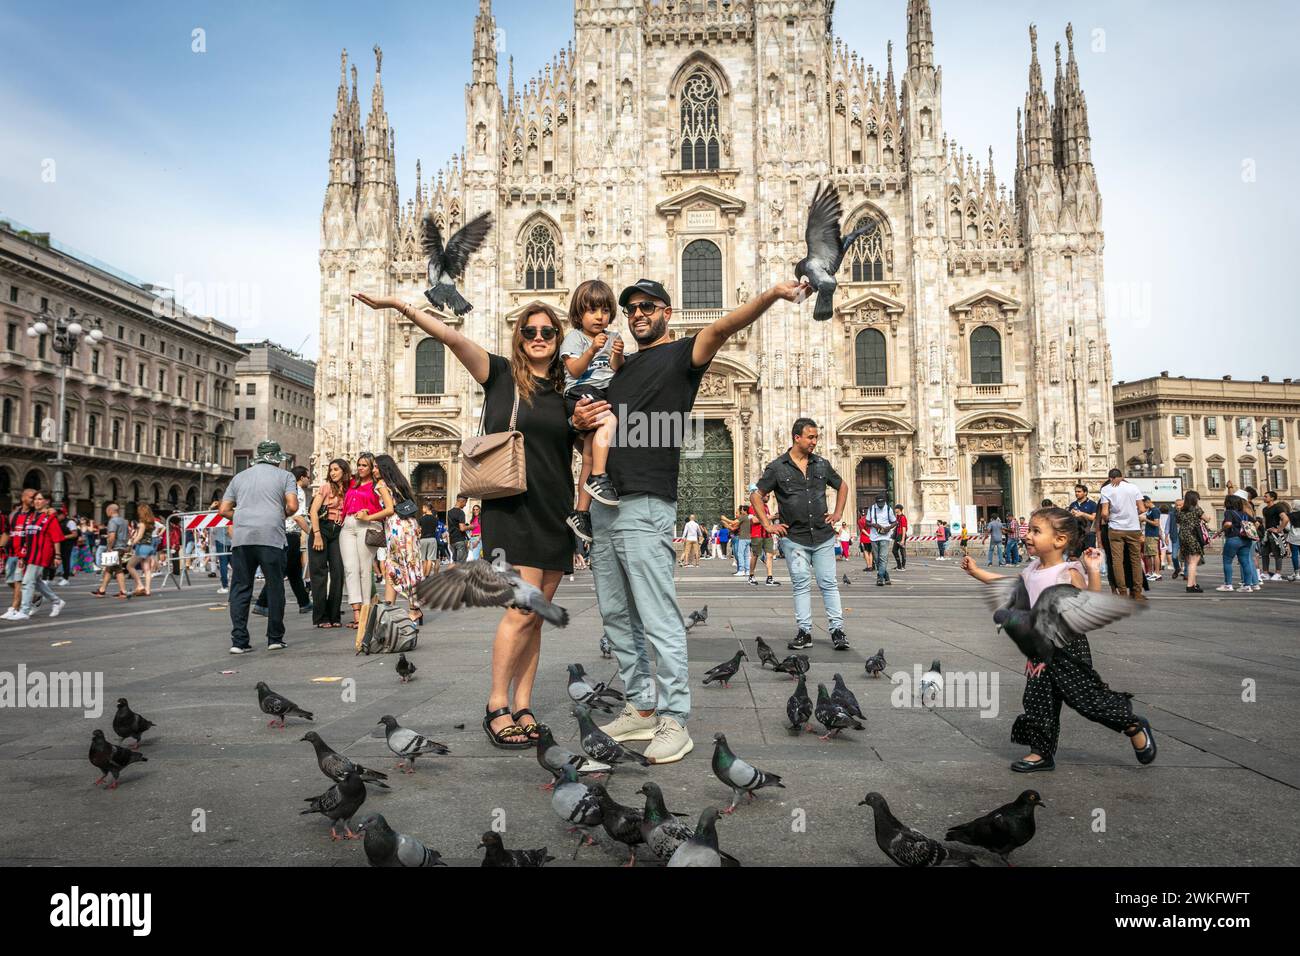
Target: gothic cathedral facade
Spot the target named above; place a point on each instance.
(966, 363)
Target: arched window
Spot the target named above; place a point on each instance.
(699, 122)
(7, 423)
(867, 254)
(701, 276)
(539, 258)
(429, 365)
(985, 356)
(869, 349)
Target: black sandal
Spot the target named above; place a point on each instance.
(531, 730)
(1034, 766)
(500, 739)
(1142, 726)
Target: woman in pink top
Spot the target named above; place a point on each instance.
(365, 506)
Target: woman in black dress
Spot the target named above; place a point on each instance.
(528, 529)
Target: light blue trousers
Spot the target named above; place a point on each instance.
(633, 563)
(805, 563)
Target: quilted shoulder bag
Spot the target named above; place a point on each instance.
(492, 466)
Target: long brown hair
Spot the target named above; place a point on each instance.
(345, 469)
(144, 515)
(519, 364)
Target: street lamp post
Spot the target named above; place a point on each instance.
(1265, 446)
(68, 333)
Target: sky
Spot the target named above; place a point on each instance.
(198, 161)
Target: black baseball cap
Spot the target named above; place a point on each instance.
(651, 288)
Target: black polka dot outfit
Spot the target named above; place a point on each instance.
(1070, 681)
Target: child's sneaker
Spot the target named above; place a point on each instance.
(580, 522)
(602, 489)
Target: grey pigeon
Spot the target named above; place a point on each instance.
(826, 248)
(794, 665)
(553, 758)
(846, 579)
(662, 832)
(765, 653)
(908, 847)
(1061, 613)
(110, 758)
(596, 696)
(408, 744)
(386, 847)
(576, 803)
(480, 584)
(737, 774)
(1007, 828)
(723, 672)
(831, 715)
(127, 723)
(606, 647)
(876, 663)
(697, 617)
(447, 263)
(932, 684)
(621, 823)
(846, 698)
(336, 766)
(799, 708)
(404, 669)
(498, 855)
(702, 848)
(339, 803)
(278, 706)
(599, 745)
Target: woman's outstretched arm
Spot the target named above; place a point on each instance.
(471, 355)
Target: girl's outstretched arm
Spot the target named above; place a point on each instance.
(971, 567)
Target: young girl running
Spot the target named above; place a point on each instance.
(591, 356)
(1069, 678)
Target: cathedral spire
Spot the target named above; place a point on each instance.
(485, 46)
(889, 76)
(1078, 138)
(920, 37)
(1038, 112)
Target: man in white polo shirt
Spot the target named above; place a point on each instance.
(1120, 501)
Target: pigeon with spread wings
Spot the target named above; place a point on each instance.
(1061, 613)
(447, 262)
(826, 248)
(479, 584)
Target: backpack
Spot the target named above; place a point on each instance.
(385, 629)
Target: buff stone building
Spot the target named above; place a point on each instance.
(967, 361)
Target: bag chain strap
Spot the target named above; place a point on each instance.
(514, 412)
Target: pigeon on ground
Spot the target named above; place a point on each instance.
(662, 832)
(336, 766)
(277, 706)
(553, 758)
(408, 744)
(697, 617)
(799, 708)
(339, 803)
(498, 855)
(702, 848)
(606, 647)
(621, 823)
(831, 715)
(599, 745)
(876, 663)
(1060, 615)
(447, 263)
(908, 847)
(1007, 828)
(826, 248)
(110, 758)
(127, 723)
(794, 665)
(596, 696)
(737, 774)
(765, 653)
(932, 684)
(480, 584)
(726, 670)
(404, 669)
(846, 579)
(386, 847)
(576, 803)
(846, 698)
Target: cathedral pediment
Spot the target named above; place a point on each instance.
(869, 303)
(561, 297)
(701, 208)
(1003, 303)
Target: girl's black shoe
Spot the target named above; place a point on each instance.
(1195, 589)
(1034, 766)
(1147, 753)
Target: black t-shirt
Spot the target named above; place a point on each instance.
(455, 518)
(428, 526)
(652, 395)
(1273, 515)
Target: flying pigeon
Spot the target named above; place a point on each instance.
(498, 855)
(606, 647)
(576, 803)
(799, 708)
(876, 663)
(794, 665)
(831, 715)
(662, 832)
(404, 669)
(932, 684)
(1060, 615)
(447, 263)
(738, 775)
(339, 803)
(336, 766)
(386, 847)
(127, 723)
(277, 706)
(621, 823)
(697, 617)
(906, 846)
(408, 744)
(1007, 828)
(553, 758)
(480, 584)
(846, 698)
(765, 653)
(110, 758)
(599, 745)
(702, 847)
(825, 248)
(596, 696)
(726, 670)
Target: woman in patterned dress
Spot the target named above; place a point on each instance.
(1190, 547)
(401, 564)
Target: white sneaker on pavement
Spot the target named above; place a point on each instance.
(223, 590)
(58, 606)
(11, 614)
(671, 742)
(630, 725)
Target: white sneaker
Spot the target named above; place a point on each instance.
(1226, 587)
(740, 574)
(58, 606)
(630, 725)
(21, 615)
(223, 590)
(62, 582)
(671, 742)
(1276, 577)
(10, 615)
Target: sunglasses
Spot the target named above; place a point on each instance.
(530, 332)
(641, 308)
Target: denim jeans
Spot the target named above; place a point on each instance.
(33, 581)
(633, 557)
(943, 545)
(806, 562)
(221, 547)
(1236, 549)
(740, 551)
(880, 558)
(995, 550)
(247, 559)
(1252, 569)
